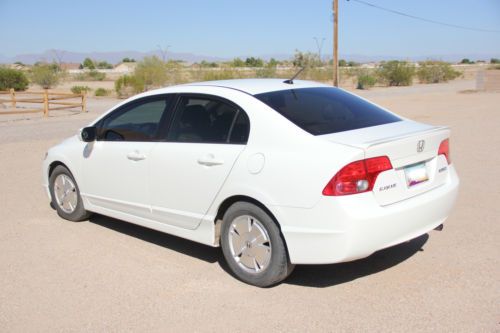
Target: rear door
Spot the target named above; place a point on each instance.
(188, 169)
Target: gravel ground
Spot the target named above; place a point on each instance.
(107, 275)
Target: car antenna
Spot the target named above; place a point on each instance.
(290, 81)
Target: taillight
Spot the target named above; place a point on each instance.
(444, 149)
(357, 177)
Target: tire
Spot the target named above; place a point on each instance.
(253, 246)
(65, 195)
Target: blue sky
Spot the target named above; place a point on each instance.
(226, 28)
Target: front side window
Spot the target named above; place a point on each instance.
(208, 120)
(139, 121)
(325, 110)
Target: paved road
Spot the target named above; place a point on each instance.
(107, 275)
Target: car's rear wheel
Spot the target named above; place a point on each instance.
(66, 196)
(253, 246)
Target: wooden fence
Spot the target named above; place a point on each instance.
(50, 100)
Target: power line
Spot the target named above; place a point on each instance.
(422, 18)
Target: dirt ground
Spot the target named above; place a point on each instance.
(107, 275)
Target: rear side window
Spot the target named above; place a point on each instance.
(326, 110)
(201, 119)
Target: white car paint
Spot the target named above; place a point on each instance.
(176, 189)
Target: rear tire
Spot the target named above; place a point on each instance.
(65, 195)
(253, 246)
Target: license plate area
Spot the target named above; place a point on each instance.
(416, 174)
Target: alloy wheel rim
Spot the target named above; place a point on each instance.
(250, 244)
(65, 193)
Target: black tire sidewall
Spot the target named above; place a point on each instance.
(79, 213)
(279, 266)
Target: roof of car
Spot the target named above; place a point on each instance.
(259, 86)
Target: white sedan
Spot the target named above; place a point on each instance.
(275, 172)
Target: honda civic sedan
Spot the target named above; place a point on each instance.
(276, 173)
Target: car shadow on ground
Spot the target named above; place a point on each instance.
(318, 276)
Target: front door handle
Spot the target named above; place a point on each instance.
(136, 156)
(209, 160)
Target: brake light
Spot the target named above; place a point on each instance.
(357, 177)
(444, 149)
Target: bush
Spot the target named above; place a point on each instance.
(306, 59)
(466, 61)
(223, 74)
(12, 78)
(80, 89)
(494, 61)
(152, 72)
(436, 71)
(127, 85)
(266, 72)
(92, 75)
(366, 81)
(46, 75)
(397, 73)
(101, 92)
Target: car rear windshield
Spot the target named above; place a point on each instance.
(325, 110)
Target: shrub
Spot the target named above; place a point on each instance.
(152, 72)
(436, 71)
(466, 61)
(366, 81)
(80, 89)
(266, 72)
(104, 65)
(101, 92)
(91, 75)
(88, 63)
(127, 85)
(397, 73)
(306, 59)
(254, 62)
(12, 78)
(494, 61)
(223, 74)
(46, 75)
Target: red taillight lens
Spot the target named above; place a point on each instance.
(444, 149)
(357, 177)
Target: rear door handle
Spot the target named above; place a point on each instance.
(209, 160)
(136, 156)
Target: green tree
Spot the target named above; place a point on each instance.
(46, 75)
(494, 61)
(104, 65)
(342, 63)
(88, 63)
(272, 63)
(13, 79)
(397, 73)
(128, 60)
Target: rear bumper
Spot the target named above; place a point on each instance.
(352, 227)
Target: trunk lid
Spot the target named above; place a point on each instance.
(413, 151)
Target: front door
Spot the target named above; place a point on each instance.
(116, 165)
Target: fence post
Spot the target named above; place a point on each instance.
(45, 103)
(84, 101)
(13, 97)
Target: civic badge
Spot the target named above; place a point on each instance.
(420, 146)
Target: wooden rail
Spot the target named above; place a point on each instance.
(45, 97)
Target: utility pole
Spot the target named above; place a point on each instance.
(335, 43)
(163, 52)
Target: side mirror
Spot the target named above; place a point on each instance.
(88, 134)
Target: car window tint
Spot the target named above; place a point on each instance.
(240, 130)
(325, 110)
(203, 120)
(139, 122)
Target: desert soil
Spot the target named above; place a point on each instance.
(107, 275)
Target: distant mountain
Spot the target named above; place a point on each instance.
(112, 57)
(117, 56)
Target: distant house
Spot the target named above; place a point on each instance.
(67, 66)
(125, 68)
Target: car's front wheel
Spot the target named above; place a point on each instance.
(253, 246)
(66, 195)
